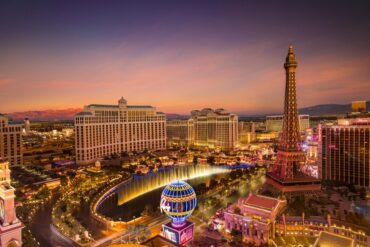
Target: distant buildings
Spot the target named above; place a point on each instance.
(275, 123)
(215, 129)
(206, 128)
(10, 226)
(345, 152)
(180, 132)
(27, 126)
(358, 106)
(103, 130)
(247, 132)
(10, 141)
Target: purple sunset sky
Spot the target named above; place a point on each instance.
(181, 55)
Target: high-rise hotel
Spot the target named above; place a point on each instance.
(345, 152)
(215, 129)
(102, 130)
(180, 132)
(206, 128)
(10, 141)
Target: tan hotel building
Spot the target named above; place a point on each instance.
(215, 129)
(206, 128)
(180, 132)
(102, 130)
(275, 123)
(10, 141)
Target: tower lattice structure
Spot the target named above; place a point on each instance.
(290, 155)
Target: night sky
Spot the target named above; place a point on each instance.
(181, 55)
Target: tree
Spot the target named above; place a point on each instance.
(363, 193)
(211, 160)
(237, 210)
(352, 188)
(195, 160)
(143, 162)
(63, 181)
(213, 183)
(42, 193)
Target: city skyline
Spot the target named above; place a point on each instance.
(181, 56)
(184, 123)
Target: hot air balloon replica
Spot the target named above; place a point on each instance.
(178, 201)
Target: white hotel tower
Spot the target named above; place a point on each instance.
(102, 130)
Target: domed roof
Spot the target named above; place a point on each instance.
(122, 101)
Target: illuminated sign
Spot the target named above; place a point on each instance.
(181, 235)
(186, 235)
(171, 234)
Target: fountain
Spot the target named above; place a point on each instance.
(154, 180)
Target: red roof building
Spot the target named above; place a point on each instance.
(254, 217)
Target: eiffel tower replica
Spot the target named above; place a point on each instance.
(286, 175)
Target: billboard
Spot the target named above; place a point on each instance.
(171, 234)
(180, 235)
(186, 235)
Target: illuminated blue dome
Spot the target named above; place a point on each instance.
(178, 201)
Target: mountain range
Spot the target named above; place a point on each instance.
(68, 114)
(328, 109)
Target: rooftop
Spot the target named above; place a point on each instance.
(261, 201)
(103, 106)
(116, 106)
(84, 113)
(328, 239)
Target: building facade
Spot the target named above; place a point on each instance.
(103, 130)
(275, 123)
(254, 217)
(247, 132)
(358, 106)
(215, 129)
(313, 226)
(10, 141)
(345, 152)
(180, 132)
(10, 225)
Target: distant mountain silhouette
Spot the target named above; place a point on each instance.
(329, 109)
(45, 115)
(68, 114)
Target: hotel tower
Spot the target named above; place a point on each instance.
(103, 130)
(214, 129)
(286, 174)
(10, 141)
(345, 155)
